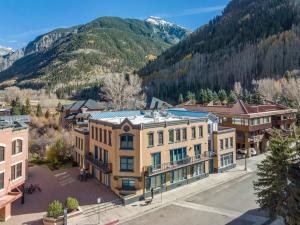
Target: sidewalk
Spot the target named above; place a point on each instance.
(124, 213)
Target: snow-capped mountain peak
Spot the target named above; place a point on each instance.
(5, 50)
(159, 21)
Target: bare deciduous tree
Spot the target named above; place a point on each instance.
(124, 91)
(269, 88)
(237, 88)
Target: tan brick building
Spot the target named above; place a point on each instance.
(133, 151)
(13, 164)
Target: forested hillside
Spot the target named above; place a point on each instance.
(78, 57)
(252, 39)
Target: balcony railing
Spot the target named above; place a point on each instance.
(284, 121)
(165, 167)
(260, 127)
(256, 138)
(106, 167)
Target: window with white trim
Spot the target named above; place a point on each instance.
(17, 146)
(16, 171)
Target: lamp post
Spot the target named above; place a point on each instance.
(65, 216)
(246, 153)
(99, 202)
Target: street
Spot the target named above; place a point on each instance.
(230, 203)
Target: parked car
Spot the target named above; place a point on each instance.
(244, 151)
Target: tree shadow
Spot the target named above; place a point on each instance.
(253, 216)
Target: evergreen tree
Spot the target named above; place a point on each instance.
(39, 111)
(232, 97)
(47, 114)
(215, 97)
(293, 193)
(15, 107)
(209, 95)
(222, 95)
(190, 96)
(180, 98)
(202, 97)
(257, 98)
(272, 175)
(27, 108)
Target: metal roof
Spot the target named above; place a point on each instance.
(184, 113)
(105, 115)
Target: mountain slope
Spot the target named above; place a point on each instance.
(252, 39)
(81, 54)
(4, 50)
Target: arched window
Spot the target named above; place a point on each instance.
(126, 141)
(17, 146)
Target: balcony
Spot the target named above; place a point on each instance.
(260, 127)
(166, 167)
(284, 121)
(256, 138)
(105, 167)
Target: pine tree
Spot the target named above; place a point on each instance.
(190, 96)
(215, 97)
(257, 98)
(232, 97)
(293, 192)
(47, 114)
(202, 97)
(222, 95)
(39, 111)
(15, 107)
(209, 95)
(272, 175)
(27, 108)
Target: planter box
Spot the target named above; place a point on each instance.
(60, 220)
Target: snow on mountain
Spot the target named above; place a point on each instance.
(159, 21)
(4, 50)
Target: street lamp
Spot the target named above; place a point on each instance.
(246, 153)
(99, 202)
(65, 216)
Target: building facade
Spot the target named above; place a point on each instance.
(252, 122)
(13, 164)
(133, 152)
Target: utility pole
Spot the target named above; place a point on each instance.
(246, 153)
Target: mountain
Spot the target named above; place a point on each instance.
(4, 50)
(252, 39)
(80, 55)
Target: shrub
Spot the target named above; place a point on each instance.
(55, 209)
(72, 203)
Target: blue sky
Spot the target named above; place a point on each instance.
(22, 20)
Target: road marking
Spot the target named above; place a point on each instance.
(225, 212)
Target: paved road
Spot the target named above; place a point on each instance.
(231, 203)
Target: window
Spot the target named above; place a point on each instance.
(109, 138)
(198, 169)
(178, 175)
(184, 137)
(177, 155)
(81, 144)
(156, 160)
(1, 180)
(222, 144)
(197, 150)
(100, 153)
(266, 119)
(100, 134)
(193, 132)
(96, 152)
(255, 121)
(96, 133)
(16, 171)
(126, 164)
(17, 146)
(226, 159)
(155, 181)
(171, 136)
(93, 132)
(209, 128)
(128, 184)
(105, 156)
(150, 139)
(105, 136)
(236, 120)
(226, 143)
(160, 137)
(126, 142)
(209, 145)
(2, 150)
(200, 132)
(177, 135)
(231, 142)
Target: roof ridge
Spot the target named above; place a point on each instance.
(243, 105)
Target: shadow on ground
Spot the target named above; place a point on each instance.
(251, 217)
